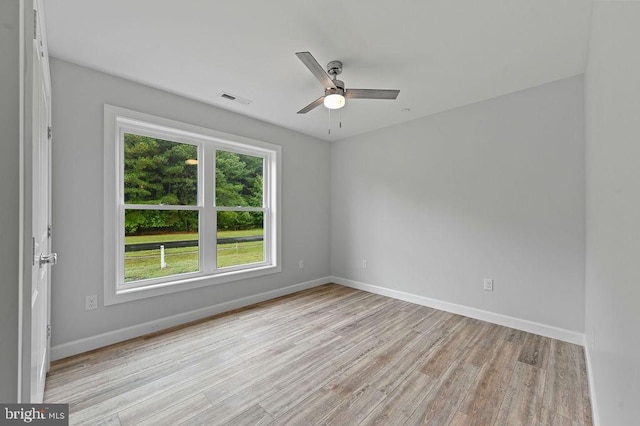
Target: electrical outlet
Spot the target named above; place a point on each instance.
(91, 302)
(488, 284)
(364, 263)
(300, 264)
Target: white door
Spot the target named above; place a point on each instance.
(41, 214)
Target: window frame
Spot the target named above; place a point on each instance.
(117, 122)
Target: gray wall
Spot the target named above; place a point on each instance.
(9, 194)
(490, 190)
(613, 211)
(79, 95)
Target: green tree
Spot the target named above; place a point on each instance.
(157, 172)
(238, 184)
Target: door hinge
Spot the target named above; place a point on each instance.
(49, 231)
(49, 133)
(35, 24)
(33, 251)
(48, 331)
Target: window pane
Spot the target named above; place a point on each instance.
(240, 238)
(148, 231)
(238, 180)
(159, 172)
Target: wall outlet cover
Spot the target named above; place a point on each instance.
(488, 284)
(91, 302)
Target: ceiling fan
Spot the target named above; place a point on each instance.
(334, 90)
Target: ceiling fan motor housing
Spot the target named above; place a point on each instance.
(334, 68)
(339, 90)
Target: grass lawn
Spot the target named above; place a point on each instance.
(146, 264)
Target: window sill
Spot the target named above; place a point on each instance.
(122, 295)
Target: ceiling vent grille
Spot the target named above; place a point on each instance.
(230, 97)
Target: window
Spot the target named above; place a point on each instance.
(189, 206)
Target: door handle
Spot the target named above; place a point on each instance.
(50, 259)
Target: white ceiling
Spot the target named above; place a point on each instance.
(441, 54)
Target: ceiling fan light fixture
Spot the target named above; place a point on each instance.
(334, 101)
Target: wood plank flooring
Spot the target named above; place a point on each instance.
(329, 355)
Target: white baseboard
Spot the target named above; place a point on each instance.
(83, 345)
(94, 342)
(592, 387)
(507, 321)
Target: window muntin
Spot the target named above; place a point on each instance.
(198, 258)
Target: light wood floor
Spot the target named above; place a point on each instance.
(329, 355)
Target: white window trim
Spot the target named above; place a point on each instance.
(114, 200)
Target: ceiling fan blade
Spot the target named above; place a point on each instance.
(371, 94)
(312, 105)
(315, 68)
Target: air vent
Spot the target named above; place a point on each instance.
(228, 96)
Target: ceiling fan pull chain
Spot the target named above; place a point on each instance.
(329, 121)
(340, 117)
